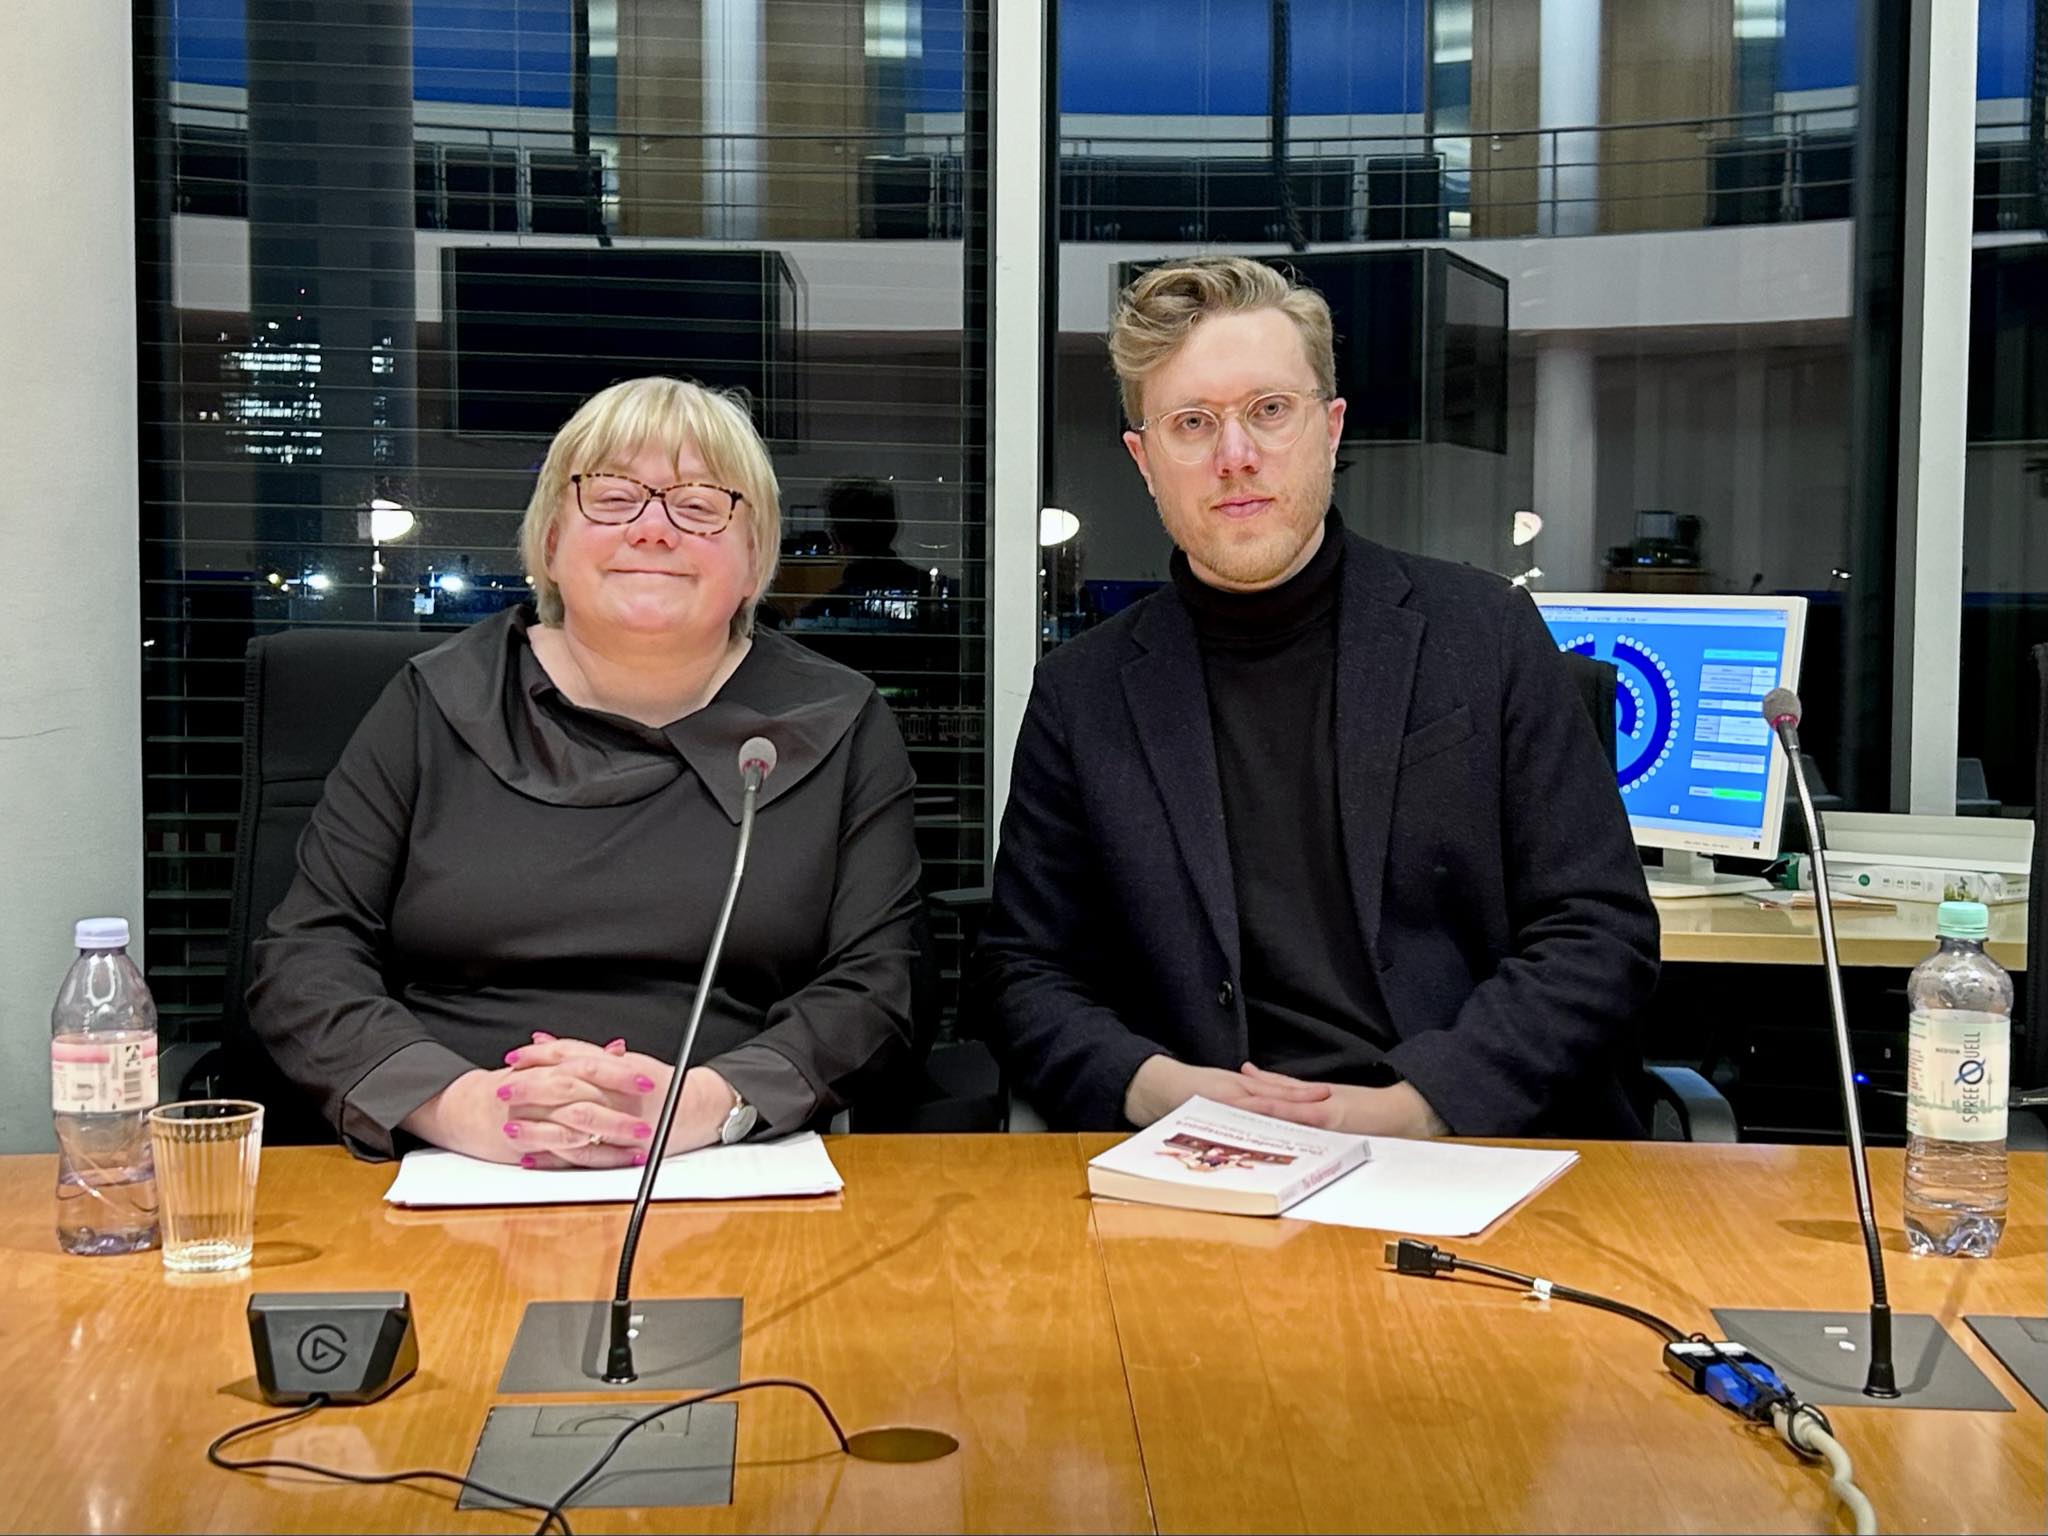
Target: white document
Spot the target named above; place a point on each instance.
(1433, 1188)
(794, 1165)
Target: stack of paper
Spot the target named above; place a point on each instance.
(795, 1165)
(1433, 1188)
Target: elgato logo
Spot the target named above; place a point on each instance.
(331, 1346)
(323, 1348)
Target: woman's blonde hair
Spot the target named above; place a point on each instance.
(1157, 311)
(614, 425)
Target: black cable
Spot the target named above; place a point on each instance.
(1667, 1331)
(1410, 1256)
(266, 1463)
(2037, 122)
(1278, 110)
(554, 1510)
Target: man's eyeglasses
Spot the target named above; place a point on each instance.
(692, 507)
(1188, 433)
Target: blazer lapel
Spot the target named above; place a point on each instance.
(1169, 702)
(1377, 645)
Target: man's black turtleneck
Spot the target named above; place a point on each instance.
(1312, 1004)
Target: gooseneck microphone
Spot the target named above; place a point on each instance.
(1781, 708)
(756, 762)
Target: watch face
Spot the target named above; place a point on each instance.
(738, 1123)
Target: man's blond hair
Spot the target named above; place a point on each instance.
(1157, 311)
(612, 426)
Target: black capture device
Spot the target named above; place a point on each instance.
(344, 1346)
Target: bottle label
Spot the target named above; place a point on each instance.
(102, 1075)
(1957, 1074)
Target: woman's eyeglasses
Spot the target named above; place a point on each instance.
(693, 507)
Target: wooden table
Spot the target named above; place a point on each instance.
(954, 1285)
(1104, 1367)
(1736, 929)
(1284, 1380)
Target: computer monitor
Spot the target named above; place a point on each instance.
(1698, 769)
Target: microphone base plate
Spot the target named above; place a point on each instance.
(538, 1449)
(2021, 1344)
(1807, 1351)
(679, 1346)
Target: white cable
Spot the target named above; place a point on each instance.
(1805, 1433)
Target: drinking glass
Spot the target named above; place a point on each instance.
(206, 1152)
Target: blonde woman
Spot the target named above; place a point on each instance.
(505, 896)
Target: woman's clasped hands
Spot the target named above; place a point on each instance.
(563, 1103)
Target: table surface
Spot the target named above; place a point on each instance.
(1736, 929)
(1103, 1366)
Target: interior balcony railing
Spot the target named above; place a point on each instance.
(1148, 181)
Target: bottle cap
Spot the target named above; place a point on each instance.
(100, 933)
(1962, 920)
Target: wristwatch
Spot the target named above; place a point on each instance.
(739, 1120)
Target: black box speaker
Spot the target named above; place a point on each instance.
(345, 1346)
(534, 331)
(2009, 345)
(1404, 197)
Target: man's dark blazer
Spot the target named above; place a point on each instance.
(1497, 887)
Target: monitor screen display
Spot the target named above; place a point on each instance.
(1693, 754)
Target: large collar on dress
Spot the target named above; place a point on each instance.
(495, 695)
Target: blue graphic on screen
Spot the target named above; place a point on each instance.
(1692, 750)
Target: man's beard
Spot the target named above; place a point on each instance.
(1284, 529)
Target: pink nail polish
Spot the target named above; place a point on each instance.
(644, 1083)
(639, 1159)
(542, 1037)
(512, 1129)
(504, 1090)
(615, 1045)
(643, 1130)
(511, 1058)
(527, 1161)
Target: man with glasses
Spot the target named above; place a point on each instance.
(1321, 830)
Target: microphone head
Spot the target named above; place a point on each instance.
(757, 752)
(1781, 707)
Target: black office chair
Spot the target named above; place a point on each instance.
(303, 694)
(1677, 1103)
(305, 691)
(2028, 1129)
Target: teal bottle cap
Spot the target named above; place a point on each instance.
(1963, 920)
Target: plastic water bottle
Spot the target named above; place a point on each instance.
(1958, 1054)
(102, 1087)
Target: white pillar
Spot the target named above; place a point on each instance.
(1567, 467)
(71, 628)
(1934, 367)
(732, 119)
(1568, 96)
(1016, 391)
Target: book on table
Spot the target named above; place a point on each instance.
(1210, 1157)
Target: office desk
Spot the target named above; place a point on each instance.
(1104, 1367)
(1735, 929)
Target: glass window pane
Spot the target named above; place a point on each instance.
(2005, 527)
(1595, 263)
(393, 250)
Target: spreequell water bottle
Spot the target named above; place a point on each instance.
(102, 1088)
(1959, 1045)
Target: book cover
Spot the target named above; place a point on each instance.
(1210, 1157)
